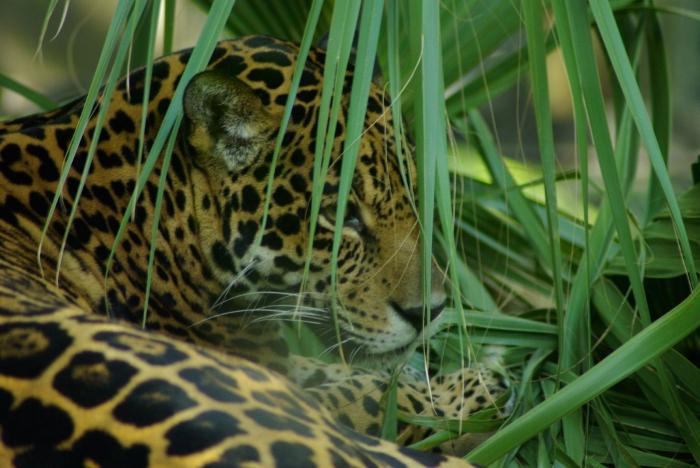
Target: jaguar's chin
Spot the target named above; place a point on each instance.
(358, 352)
(389, 358)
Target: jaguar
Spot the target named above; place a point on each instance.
(203, 379)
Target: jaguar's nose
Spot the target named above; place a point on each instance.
(415, 315)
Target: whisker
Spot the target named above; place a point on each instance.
(355, 352)
(241, 274)
(260, 294)
(334, 346)
(285, 319)
(316, 313)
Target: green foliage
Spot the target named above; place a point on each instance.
(30, 94)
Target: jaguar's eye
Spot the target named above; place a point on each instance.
(353, 220)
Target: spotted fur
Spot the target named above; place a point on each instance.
(80, 383)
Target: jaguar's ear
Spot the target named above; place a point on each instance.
(225, 119)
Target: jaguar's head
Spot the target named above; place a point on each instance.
(232, 120)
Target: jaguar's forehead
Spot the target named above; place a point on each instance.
(267, 66)
(382, 175)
